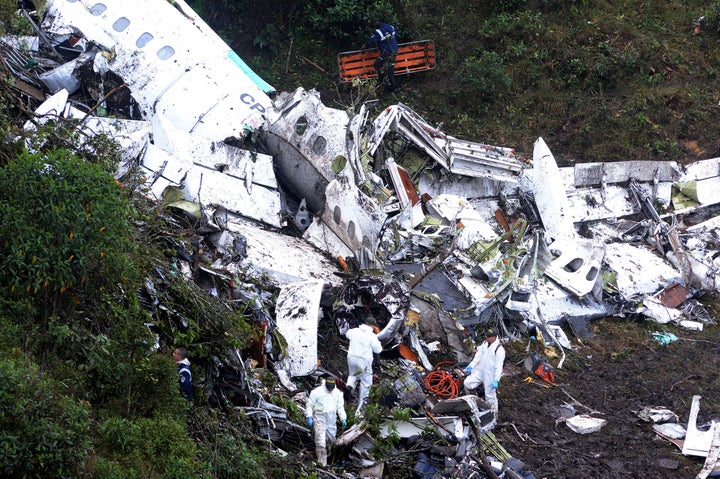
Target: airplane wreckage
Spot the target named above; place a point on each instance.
(475, 235)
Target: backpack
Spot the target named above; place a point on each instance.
(540, 366)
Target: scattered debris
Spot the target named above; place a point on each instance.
(585, 424)
(475, 235)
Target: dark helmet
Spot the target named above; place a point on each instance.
(369, 320)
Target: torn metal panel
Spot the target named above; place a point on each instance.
(410, 217)
(355, 132)
(657, 414)
(209, 186)
(577, 264)
(163, 163)
(711, 461)
(550, 197)
(249, 166)
(51, 109)
(701, 169)
(214, 173)
(587, 174)
(704, 192)
(306, 137)
(272, 422)
(297, 314)
(321, 236)
(354, 217)
(674, 295)
(610, 201)
(275, 257)
(552, 304)
(699, 264)
(165, 63)
(457, 156)
(599, 190)
(22, 42)
(639, 270)
(474, 189)
(61, 78)
(477, 292)
(404, 187)
(697, 442)
(418, 425)
(705, 226)
(132, 136)
(476, 159)
(654, 309)
(477, 409)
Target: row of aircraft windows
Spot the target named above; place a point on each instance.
(122, 23)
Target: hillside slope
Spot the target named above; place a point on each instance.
(599, 81)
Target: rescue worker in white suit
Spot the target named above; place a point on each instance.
(486, 368)
(324, 405)
(363, 350)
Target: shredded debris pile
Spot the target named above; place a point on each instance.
(436, 239)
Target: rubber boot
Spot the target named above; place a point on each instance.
(322, 456)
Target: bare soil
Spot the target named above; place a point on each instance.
(614, 374)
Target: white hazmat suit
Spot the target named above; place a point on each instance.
(322, 408)
(486, 369)
(364, 343)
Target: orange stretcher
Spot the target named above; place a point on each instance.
(411, 57)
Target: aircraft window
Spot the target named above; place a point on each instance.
(121, 24)
(165, 52)
(319, 145)
(337, 214)
(301, 125)
(143, 39)
(351, 229)
(573, 265)
(98, 9)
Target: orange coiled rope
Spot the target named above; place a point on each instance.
(442, 383)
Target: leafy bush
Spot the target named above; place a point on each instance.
(147, 448)
(43, 433)
(229, 443)
(64, 232)
(484, 75)
(343, 19)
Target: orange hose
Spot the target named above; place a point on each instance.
(442, 384)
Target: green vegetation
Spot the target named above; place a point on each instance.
(84, 392)
(598, 81)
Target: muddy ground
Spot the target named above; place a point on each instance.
(615, 372)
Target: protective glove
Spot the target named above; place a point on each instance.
(468, 369)
(343, 423)
(310, 421)
(495, 385)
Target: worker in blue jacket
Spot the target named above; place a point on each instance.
(184, 373)
(384, 39)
